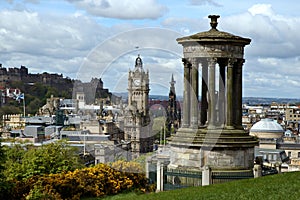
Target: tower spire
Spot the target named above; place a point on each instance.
(172, 85)
(138, 62)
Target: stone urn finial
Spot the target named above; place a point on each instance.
(214, 21)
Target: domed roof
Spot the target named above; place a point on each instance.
(214, 35)
(267, 125)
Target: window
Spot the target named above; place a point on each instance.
(298, 154)
(269, 157)
(290, 154)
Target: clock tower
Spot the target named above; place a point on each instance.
(137, 123)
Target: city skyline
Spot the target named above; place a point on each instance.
(88, 38)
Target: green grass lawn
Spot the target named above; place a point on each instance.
(281, 186)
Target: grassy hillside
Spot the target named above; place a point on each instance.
(281, 186)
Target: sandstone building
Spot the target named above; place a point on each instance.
(137, 123)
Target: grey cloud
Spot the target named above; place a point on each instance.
(112, 58)
(126, 9)
(30, 39)
(105, 4)
(63, 44)
(80, 48)
(272, 36)
(272, 64)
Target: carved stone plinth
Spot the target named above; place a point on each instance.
(217, 148)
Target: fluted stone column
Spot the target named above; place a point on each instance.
(239, 95)
(194, 93)
(221, 102)
(186, 94)
(229, 87)
(204, 104)
(234, 95)
(212, 88)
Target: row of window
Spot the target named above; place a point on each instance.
(290, 154)
(298, 116)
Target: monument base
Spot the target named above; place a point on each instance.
(216, 147)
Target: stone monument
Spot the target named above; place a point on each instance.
(212, 136)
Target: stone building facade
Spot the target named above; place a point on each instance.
(137, 123)
(292, 114)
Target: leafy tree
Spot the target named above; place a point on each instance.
(13, 163)
(4, 185)
(6, 110)
(34, 105)
(17, 84)
(52, 91)
(66, 94)
(27, 161)
(37, 89)
(2, 160)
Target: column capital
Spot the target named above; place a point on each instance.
(186, 62)
(203, 60)
(212, 61)
(231, 62)
(240, 62)
(193, 60)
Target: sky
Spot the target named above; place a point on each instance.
(85, 39)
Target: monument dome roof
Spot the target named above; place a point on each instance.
(267, 126)
(214, 35)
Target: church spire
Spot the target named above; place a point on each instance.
(173, 117)
(172, 85)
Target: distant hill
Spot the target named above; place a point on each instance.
(267, 101)
(38, 87)
(246, 100)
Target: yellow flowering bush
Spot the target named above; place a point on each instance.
(96, 181)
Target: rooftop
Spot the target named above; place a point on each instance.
(267, 125)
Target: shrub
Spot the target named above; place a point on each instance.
(97, 181)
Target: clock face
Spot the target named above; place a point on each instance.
(137, 82)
